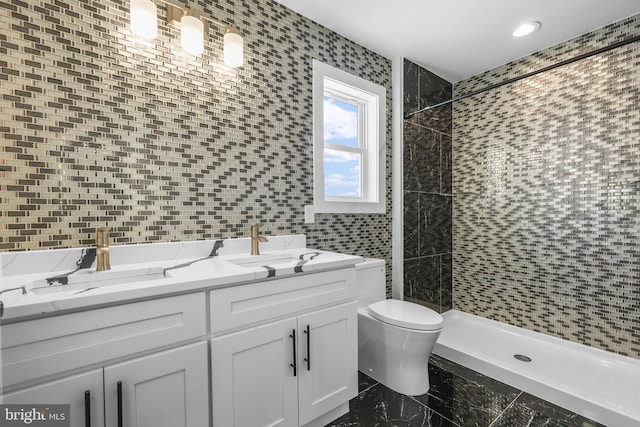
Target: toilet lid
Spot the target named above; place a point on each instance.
(406, 315)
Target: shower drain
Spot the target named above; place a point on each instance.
(522, 357)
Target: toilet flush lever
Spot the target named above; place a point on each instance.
(308, 359)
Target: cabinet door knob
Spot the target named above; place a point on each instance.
(294, 365)
(87, 408)
(119, 403)
(308, 359)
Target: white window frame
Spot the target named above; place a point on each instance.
(371, 99)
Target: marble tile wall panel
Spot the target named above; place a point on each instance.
(427, 178)
(446, 280)
(434, 90)
(102, 128)
(446, 164)
(435, 224)
(411, 224)
(422, 281)
(411, 92)
(422, 159)
(546, 231)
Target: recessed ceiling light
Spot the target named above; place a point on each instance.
(526, 29)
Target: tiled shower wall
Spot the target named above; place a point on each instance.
(546, 223)
(101, 128)
(427, 189)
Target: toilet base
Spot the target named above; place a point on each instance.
(395, 357)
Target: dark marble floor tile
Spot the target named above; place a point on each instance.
(365, 382)
(381, 407)
(464, 396)
(530, 411)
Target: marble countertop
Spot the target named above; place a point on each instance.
(65, 279)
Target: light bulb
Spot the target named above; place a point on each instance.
(233, 48)
(526, 29)
(144, 18)
(192, 34)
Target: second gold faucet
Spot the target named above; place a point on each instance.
(256, 239)
(102, 249)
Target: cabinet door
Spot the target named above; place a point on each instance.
(68, 391)
(253, 382)
(329, 359)
(167, 389)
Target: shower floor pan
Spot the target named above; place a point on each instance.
(597, 384)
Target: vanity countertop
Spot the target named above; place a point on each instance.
(66, 280)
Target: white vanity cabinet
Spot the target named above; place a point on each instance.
(83, 392)
(276, 352)
(328, 360)
(166, 389)
(163, 389)
(253, 383)
(130, 344)
(300, 369)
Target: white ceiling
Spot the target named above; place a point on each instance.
(457, 39)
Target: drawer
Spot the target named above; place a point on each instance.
(41, 347)
(243, 305)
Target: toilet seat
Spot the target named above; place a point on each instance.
(405, 315)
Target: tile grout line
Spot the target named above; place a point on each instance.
(431, 409)
(505, 409)
(368, 388)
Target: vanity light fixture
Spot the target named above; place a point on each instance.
(526, 29)
(144, 18)
(193, 30)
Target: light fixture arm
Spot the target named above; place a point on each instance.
(176, 11)
(233, 42)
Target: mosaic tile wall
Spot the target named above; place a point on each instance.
(427, 189)
(546, 181)
(101, 128)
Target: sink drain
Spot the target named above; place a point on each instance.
(522, 357)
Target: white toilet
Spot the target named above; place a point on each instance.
(395, 338)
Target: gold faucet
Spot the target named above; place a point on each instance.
(102, 249)
(256, 239)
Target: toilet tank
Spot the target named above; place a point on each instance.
(371, 281)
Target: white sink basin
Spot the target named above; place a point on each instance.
(262, 260)
(84, 279)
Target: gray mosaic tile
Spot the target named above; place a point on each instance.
(100, 128)
(545, 216)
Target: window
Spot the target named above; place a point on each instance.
(349, 122)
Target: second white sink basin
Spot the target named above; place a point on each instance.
(84, 279)
(262, 260)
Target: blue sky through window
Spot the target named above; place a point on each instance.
(341, 168)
